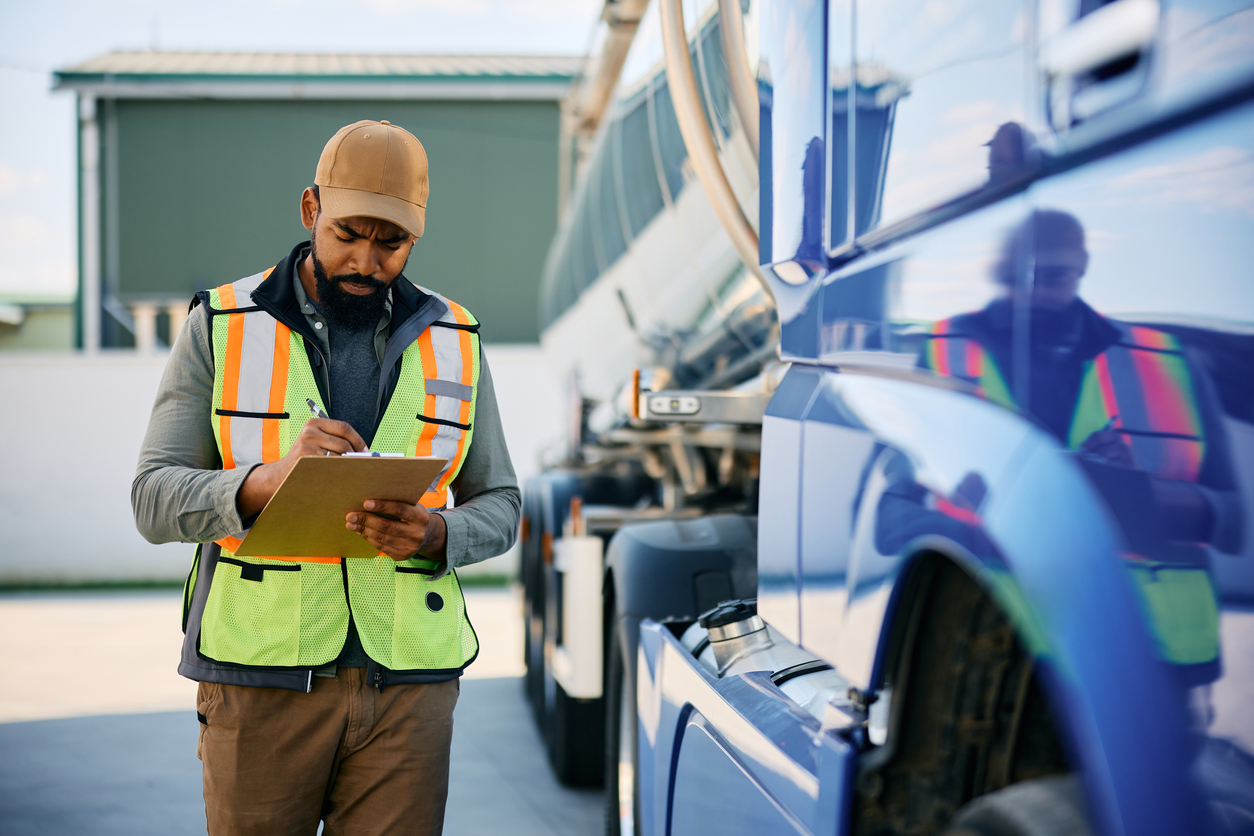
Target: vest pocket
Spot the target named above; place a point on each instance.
(429, 627)
(1182, 612)
(253, 614)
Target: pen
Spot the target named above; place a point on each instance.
(318, 413)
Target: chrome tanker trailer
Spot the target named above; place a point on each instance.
(644, 291)
(907, 476)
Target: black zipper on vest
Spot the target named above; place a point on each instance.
(323, 372)
(376, 674)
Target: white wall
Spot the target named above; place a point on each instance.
(70, 431)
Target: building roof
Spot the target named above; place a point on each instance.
(315, 75)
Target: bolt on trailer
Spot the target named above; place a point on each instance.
(908, 478)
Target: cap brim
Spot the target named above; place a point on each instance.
(349, 203)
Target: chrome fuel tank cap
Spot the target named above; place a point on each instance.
(731, 619)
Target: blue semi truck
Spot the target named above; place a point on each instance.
(909, 476)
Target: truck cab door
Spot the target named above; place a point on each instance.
(779, 502)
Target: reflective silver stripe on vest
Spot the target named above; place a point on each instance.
(255, 373)
(453, 390)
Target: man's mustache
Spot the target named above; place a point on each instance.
(357, 278)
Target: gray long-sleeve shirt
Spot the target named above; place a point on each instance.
(181, 494)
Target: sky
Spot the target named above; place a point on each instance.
(37, 126)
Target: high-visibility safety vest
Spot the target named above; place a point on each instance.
(1141, 388)
(293, 612)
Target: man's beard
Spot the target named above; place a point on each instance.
(343, 309)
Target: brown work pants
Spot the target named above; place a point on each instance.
(276, 762)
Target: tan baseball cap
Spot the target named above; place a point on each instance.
(374, 170)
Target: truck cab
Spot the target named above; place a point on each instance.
(942, 506)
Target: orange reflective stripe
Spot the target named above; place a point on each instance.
(434, 499)
(975, 359)
(938, 352)
(468, 379)
(1101, 367)
(270, 451)
(230, 374)
(1156, 403)
(427, 353)
(233, 543)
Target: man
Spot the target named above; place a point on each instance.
(327, 686)
(1141, 415)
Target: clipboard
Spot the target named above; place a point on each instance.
(305, 517)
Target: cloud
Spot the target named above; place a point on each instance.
(938, 12)
(800, 66)
(35, 257)
(953, 161)
(938, 285)
(14, 179)
(1098, 240)
(985, 111)
(1194, 47)
(912, 35)
(1218, 178)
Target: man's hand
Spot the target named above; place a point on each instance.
(400, 530)
(1109, 446)
(319, 437)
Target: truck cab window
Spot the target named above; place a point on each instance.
(940, 104)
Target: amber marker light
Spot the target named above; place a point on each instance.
(635, 393)
(576, 516)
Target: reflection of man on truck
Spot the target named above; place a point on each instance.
(1142, 417)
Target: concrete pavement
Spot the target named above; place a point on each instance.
(98, 733)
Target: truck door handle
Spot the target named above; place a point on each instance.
(1116, 30)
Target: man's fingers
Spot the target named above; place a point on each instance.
(391, 546)
(332, 443)
(397, 529)
(325, 441)
(382, 525)
(342, 429)
(402, 529)
(400, 510)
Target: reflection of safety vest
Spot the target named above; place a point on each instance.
(293, 612)
(1141, 388)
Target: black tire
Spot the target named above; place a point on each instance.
(1052, 806)
(531, 572)
(533, 638)
(622, 800)
(968, 717)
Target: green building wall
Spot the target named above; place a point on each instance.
(208, 191)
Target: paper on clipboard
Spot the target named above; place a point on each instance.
(305, 517)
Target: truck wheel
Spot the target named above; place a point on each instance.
(621, 804)
(1050, 806)
(968, 717)
(533, 638)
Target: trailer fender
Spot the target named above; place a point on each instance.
(673, 570)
